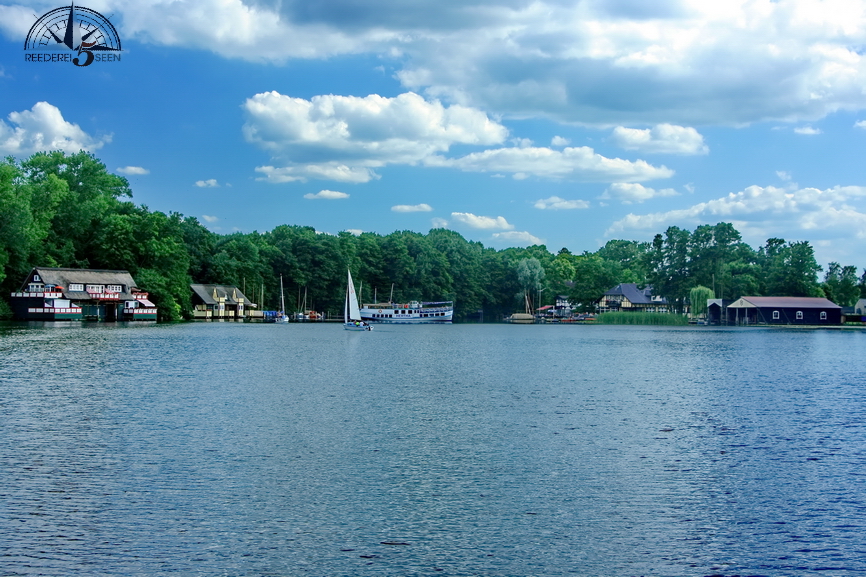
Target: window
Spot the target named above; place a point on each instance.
(114, 288)
(36, 278)
(823, 315)
(95, 288)
(799, 315)
(76, 287)
(775, 315)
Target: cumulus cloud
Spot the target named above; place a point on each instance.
(209, 183)
(355, 231)
(208, 218)
(439, 223)
(412, 208)
(133, 170)
(481, 222)
(663, 138)
(556, 203)
(786, 176)
(601, 63)
(559, 141)
(327, 195)
(346, 137)
(807, 130)
(43, 128)
(860, 124)
(578, 163)
(628, 192)
(518, 238)
(762, 212)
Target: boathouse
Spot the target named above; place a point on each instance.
(628, 297)
(783, 311)
(217, 301)
(52, 294)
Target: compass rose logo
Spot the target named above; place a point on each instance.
(72, 34)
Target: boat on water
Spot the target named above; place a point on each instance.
(352, 320)
(413, 312)
(282, 317)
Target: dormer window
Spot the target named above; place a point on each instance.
(76, 286)
(113, 288)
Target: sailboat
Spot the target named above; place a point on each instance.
(351, 311)
(282, 317)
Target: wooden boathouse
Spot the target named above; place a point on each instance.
(53, 294)
(783, 311)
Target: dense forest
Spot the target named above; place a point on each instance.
(67, 210)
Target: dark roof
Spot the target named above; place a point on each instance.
(65, 276)
(206, 291)
(634, 295)
(791, 302)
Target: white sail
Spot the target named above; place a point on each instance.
(351, 312)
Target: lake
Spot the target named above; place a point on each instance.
(463, 450)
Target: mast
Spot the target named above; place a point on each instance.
(391, 298)
(282, 297)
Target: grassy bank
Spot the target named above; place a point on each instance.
(621, 318)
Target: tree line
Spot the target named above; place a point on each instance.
(68, 210)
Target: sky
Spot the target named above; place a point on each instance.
(512, 122)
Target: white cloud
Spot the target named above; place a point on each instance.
(43, 128)
(133, 170)
(807, 130)
(519, 238)
(439, 223)
(481, 222)
(209, 183)
(208, 218)
(412, 208)
(786, 176)
(327, 171)
(628, 193)
(662, 138)
(345, 137)
(581, 163)
(327, 195)
(559, 141)
(860, 124)
(762, 212)
(556, 203)
(595, 62)
(355, 231)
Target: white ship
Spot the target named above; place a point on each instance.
(413, 312)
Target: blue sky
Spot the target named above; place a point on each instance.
(567, 123)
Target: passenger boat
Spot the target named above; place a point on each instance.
(413, 312)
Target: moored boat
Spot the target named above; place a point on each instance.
(413, 312)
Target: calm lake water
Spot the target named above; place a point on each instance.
(489, 450)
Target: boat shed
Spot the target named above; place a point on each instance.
(783, 311)
(217, 301)
(50, 294)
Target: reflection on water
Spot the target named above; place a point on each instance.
(238, 449)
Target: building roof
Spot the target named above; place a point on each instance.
(64, 277)
(206, 292)
(783, 303)
(634, 295)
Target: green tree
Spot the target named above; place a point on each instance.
(698, 298)
(841, 284)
